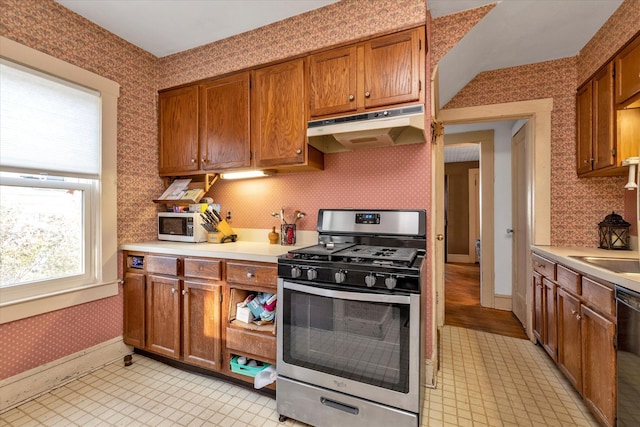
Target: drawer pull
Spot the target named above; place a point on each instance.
(184, 292)
(578, 317)
(249, 275)
(573, 311)
(173, 290)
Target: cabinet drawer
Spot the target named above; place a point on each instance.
(163, 265)
(544, 266)
(598, 296)
(259, 345)
(252, 274)
(568, 279)
(203, 268)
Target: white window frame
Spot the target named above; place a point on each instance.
(15, 305)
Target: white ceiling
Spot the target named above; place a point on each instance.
(514, 32)
(163, 27)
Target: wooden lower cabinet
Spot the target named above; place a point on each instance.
(538, 318)
(599, 365)
(570, 338)
(584, 334)
(163, 315)
(134, 293)
(174, 307)
(201, 324)
(549, 318)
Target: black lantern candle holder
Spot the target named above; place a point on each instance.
(614, 232)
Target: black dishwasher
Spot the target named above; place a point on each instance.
(628, 357)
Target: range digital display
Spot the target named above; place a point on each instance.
(367, 218)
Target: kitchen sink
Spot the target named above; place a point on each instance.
(617, 265)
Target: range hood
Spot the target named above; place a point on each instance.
(383, 128)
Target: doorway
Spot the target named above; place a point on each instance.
(538, 112)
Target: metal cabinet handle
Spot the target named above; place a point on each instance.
(298, 151)
(173, 290)
(351, 97)
(184, 292)
(367, 94)
(578, 317)
(573, 311)
(249, 275)
(193, 160)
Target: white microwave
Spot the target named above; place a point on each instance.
(181, 227)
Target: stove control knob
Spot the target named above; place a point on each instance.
(390, 282)
(296, 272)
(370, 280)
(312, 274)
(340, 276)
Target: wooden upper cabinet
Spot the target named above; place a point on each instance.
(332, 82)
(225, 123)
(392, 69)
(381, 72)
(279, 124)
(628, 74)
(603, 119)
(178, 130)
(584, 128)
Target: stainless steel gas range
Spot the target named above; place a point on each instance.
(349, 328)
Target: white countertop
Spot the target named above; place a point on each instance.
(247, 248)
(563, 255)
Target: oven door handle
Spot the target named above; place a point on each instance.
(354, 296)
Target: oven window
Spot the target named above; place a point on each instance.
(172, 225)
(361, 341)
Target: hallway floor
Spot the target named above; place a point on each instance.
(462, 304)
(485, 380)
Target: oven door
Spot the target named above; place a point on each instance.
(363, 344)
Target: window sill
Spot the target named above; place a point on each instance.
(21, 309)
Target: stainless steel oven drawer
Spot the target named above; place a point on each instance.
(325, 408)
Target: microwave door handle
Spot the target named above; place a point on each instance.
(353, 296)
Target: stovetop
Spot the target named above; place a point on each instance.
(353, 253)
(353, 265)
(378, 249)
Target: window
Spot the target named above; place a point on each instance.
(57, 184)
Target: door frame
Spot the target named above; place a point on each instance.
(538, 112)
(485, 139)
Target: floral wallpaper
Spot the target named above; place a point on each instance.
(386, 177)
(577, 205)
(372, 179)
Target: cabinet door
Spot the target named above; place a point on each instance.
(599, 366)
(603, 119)
(201, 324)
(163, 316)
(392, 69)
(178, 130)
(569, 338)
(279, 123)
(538, 320)
(332, 82)
(549, 313)
(628, 72)
(133, 292)
(225, 123)
(584, 128)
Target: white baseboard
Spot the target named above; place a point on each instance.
(430, 373)
(502, 302)
(34, 382)
(461, 258)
